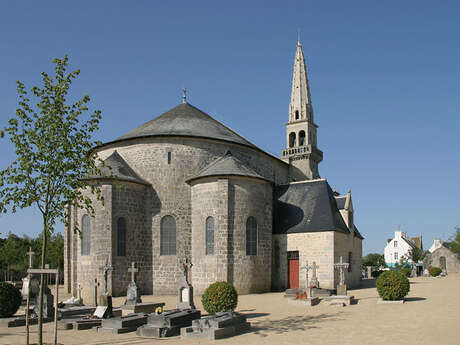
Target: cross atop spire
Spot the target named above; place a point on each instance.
(184, 95)
(298, 37)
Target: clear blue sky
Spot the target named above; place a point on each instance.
(384, 81)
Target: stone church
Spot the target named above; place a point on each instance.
(185, 185)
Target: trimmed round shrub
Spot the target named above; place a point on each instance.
(219, 296)
(375, 274)
(392, 285)
(406, 271)
(10, 299)
(435, 271)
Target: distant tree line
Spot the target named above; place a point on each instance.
(14, 260)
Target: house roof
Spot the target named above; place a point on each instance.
(228, 165)
(341, 199)
(186, 120)
(417, 241)
(307, 206)
(115, 167)
(357, 233)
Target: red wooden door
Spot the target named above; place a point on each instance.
(293, 266)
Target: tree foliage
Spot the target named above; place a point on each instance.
(52, 141)
(455, 241)
(375, 260)
(416, 254)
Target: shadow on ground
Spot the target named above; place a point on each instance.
(414, 299)
(266, 328)
(253, 315)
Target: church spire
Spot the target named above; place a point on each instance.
(300, 106)
(301, 147)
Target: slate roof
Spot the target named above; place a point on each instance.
(357, 233)
(341, 201)
(186, 120)
(115, 167)
(228, 165)
(307, 206)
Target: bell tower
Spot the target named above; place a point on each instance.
(301, 142)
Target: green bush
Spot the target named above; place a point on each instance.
(406, 271)
(435, 271)
(392, 285)
(10, 299)
(375, 274)
(219, 296)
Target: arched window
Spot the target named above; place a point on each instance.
(168, 236)
(291, 139)
(121, 237)
(296, 114)
(85, 235)
(301, 138)
(251, 236)
(209, 236)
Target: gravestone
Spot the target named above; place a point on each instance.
(105, 299)
(426, 272)
(48, 304)
(186, 290)
(217, 326)
(123, 324)
(314, 283)
(133, 303)
(341, 299)
(306, 298)
(133, 295)
(168, 323)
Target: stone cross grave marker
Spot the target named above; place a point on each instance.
(106, 268)
(186, 267)
(307, 267)
(341, 287)
(314, 279)
(133, 270)
(132, 295)
(95, 285)
(30, 253)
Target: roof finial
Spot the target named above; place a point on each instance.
(298, 36)
(184, 95)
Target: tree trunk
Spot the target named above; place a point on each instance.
(42, 281)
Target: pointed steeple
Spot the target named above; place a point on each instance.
(300, 107)
(301, 141)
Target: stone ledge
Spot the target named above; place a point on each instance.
(308, 302)
(339, 300)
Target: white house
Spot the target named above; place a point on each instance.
(436, 244)
(399, 247)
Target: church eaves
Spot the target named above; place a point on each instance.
(227, 165)
(189, 121)
(116, 168)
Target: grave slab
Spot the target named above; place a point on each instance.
(337, 300)
(218, 326)
(146, 308)
(122, 324)
(307, 302)
(168, 323)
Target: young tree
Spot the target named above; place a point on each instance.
(52, 141)
(455, 241)
(416, 254)
(374, 260)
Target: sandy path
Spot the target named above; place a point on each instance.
(430, 316)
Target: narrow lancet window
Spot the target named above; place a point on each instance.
(301, 138)
(121, 237)
(85, 235)
(251, 236)
(168, 236)
(209, 236)
(291, 139)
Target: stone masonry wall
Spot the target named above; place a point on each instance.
(231, 202)
(343, 244)
(171, 195)
(90, 266)
(312, 246)
(128, 201)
